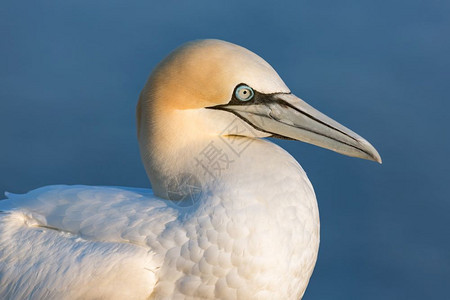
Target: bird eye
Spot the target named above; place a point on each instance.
(244, 93)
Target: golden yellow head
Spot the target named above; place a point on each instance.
(205, 72)
(196, 90)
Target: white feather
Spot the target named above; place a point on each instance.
(122, 243)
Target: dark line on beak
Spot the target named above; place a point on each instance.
(281, 101)
(222, 107)
(250, 123)
(266, 99)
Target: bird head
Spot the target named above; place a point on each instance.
(210, 76)
(199, 89)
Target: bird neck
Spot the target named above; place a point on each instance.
(215, 164)
(200, 143)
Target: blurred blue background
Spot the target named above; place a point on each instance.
(71, 73)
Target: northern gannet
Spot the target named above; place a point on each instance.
(231, 215)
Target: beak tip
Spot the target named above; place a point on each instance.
(371, 151)
(378, 159)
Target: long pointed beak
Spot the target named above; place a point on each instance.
(287, 116)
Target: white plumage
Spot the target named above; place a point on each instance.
(250, 229)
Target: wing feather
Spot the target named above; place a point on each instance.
(80, 242)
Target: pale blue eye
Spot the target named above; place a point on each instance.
(244, 93)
